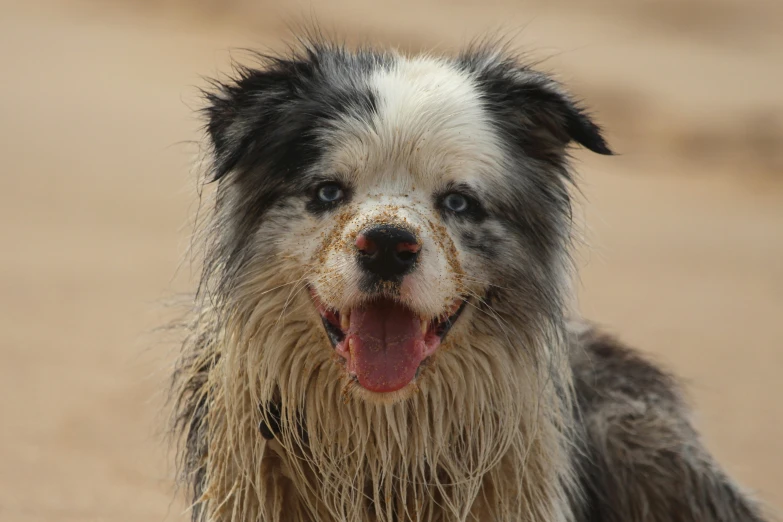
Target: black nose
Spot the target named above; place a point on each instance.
(388, 252)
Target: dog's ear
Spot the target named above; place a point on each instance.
(533, 108)
(246, 117)
(556, 116)
(221, 113)
(238, 115)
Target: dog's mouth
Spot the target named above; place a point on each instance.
(383, 342)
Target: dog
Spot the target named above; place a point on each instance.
(384, 327)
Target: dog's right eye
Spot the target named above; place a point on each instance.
(456, 202)
(330, 193)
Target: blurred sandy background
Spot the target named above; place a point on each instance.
(96, 100)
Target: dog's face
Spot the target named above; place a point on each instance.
(407, 200)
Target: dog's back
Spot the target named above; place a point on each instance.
(642, 458)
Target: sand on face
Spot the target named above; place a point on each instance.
(686, 226)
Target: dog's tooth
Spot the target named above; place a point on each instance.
(345, 320)
(350, 345)
(424, 326)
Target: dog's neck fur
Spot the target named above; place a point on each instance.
(482, 439)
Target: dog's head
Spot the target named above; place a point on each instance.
(394, 202)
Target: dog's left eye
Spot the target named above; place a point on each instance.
(456, 202)
(330, 193)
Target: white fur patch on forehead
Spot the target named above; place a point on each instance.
(432, 112)
(430, 122)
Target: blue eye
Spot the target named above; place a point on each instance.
(456, 202)
(330, 193)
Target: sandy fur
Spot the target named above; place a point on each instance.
(470, 444)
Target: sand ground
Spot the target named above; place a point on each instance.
(96, 100)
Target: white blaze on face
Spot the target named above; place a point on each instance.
(430, 130)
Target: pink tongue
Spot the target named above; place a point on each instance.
(387, 346)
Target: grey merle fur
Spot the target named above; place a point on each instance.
(639, 457)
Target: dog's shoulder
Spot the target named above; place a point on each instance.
(641, 458)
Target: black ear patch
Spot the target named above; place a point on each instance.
(541, 101)
(584, 131)
(270, 116)
(530, 108)
(255, 117)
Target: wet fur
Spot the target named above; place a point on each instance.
(521, 416)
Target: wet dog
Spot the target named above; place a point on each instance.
(383, 330)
